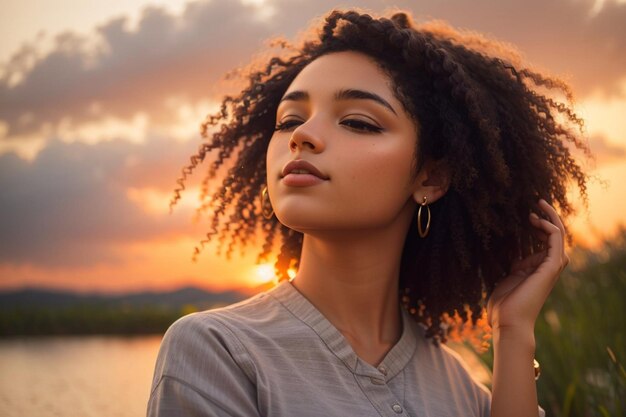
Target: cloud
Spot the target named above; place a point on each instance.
(185, 55)
(70, 207)
(130, 71)
(563, 37)
(605, 151)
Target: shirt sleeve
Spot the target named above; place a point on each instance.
(202, 370)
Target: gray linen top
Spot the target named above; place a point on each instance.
(275, 354)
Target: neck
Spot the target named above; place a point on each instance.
(352, 279)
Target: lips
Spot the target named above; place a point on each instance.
(302, 164)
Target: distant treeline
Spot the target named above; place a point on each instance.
(40, 312)
(89, 319)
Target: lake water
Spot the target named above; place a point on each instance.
(80, 376)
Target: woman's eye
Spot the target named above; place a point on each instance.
(285, 125)
(359, 125)
(353, 124)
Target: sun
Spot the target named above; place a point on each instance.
(265, 273)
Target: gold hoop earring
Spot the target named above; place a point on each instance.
(266, 207)
(421, 232)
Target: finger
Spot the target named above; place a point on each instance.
(555, 244)
(539, 238)
(537, 232)
(554, 218)
(549, 229)
(552, 214)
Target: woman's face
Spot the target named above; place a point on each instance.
(364, 147)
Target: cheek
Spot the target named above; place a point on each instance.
(375, 180)
(384, 169)
(275, 158)
(271, 157)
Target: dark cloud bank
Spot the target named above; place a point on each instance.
(68, 207)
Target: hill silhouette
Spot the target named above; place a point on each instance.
(36, 311)
(54, 298)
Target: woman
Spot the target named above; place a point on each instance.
(411, 174)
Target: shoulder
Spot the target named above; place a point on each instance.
(233, 328)
(249, 312)
(215, 321)
(447, 367)
(203, 339)
(198, 333)
(203, 366)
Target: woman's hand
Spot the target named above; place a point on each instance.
(517, 300)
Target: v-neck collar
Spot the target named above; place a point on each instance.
(395, 359)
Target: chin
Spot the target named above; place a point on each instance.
(296, 223)
(312, 224)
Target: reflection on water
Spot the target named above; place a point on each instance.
(76, 376)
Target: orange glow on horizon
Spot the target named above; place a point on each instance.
(161, 265)
(166, 265)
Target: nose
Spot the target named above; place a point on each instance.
(307, 136)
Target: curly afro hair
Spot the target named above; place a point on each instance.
(504, 141)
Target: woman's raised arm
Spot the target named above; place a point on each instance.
(512, 310)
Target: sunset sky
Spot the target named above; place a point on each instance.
(101, 102)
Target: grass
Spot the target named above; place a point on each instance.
(580, 336)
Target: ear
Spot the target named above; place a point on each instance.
(432, 181)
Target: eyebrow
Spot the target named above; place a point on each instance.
(344, 94)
